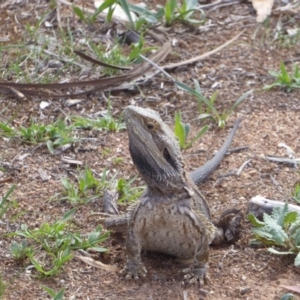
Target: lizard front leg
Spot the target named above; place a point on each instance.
(199, 270)
(134, 267)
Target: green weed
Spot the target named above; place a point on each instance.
(182, 131)
(110, 4)
(57, 241)
(19, 250)
(211, 111)
(32, 29)
(284, 80)
(3, 287)
(55, 295)
(5, 204)
(107, 122)
(55, 135)
(87, 188)
(117, 160)
(175, 12)
(281, 229)
(127, 193)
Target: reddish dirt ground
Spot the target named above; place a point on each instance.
(240, 271)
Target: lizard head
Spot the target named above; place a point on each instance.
(153, 148)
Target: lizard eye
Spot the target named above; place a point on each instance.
(150, 126)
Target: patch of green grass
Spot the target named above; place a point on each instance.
(91, 18)
(55, 135)
(51, 244)
(107, 122)
(87, 187)
(106, 152)
(127, 193)
(182, 131)
(176, 12)
(29, 61)
(59, 133)
(33, 29)
(280, 230)
(5, 204)
(211, 110)
(285, 80)
(3, 287)
(19, 250)
(117, 160)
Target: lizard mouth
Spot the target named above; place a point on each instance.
(169, 159)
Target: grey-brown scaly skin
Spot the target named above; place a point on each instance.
(172, 216)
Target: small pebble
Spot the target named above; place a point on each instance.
(245, 290)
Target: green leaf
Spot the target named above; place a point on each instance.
(254, 221)
(213, 97)
(295, 235)
(186, 128)
(104, 5)
(287, 296)
(278, 234)
(198, 136)
(284, 74)
(197, 86)
(169, 10)
(262, 233)
(290, 218)
(50, 146)
(24, 234)
(93, 237)
(124, 5)
(179, 130)
(274, 251)
(99, 249)
(239, 101)
(80, 14)
(37, 265)
(297, 260)
(69, 214)
(274, 73)
(204, 116)
(199, 96)
(5, 198)
(279, 213)
(51, 292)
(59, 295)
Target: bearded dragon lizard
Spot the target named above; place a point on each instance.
(172, 216)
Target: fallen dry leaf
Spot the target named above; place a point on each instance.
(293, 288)
(97, 264)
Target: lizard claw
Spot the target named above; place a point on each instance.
(229, 225)
(193, 275)
(134, 271)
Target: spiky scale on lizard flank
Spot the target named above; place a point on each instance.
(172, 216)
